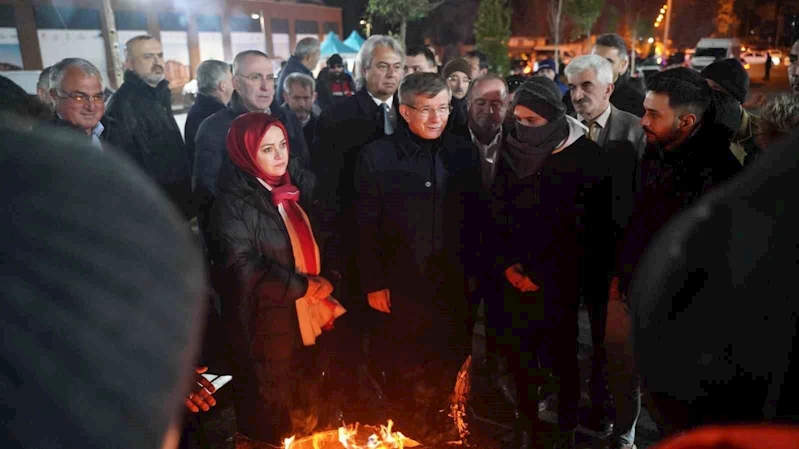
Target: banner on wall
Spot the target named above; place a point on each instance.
(211, 46)
(280, 42)
(10, 53)
(57, 44)
(244, 40)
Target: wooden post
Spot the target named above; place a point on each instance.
(27, 35)
(193, 35)
(292, 35)
(111, 39)
(153, 26)
(227, 44)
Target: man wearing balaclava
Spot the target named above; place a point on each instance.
(551, 212)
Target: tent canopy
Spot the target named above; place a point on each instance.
(332, 45)
(354, 40)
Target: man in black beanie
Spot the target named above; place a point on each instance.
(729, 76)
(551, 206)
(102, 300)
(333, 83)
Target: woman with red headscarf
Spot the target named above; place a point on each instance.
(265, 258)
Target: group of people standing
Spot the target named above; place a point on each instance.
(411, 197)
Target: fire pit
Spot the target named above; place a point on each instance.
(354, 437)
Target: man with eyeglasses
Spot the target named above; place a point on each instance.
(77, 93)
(411, 191)
(254, 90)
(793, 69)
(456, 72)
(147, 131)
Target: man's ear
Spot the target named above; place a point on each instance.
(611, 88)
(687, 121)
(405, 112)
(625, 63)
(53, 95)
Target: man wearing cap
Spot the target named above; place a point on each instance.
(333, 83)
(551, 214)
(456, 72)
(546, 68)
(729, 76)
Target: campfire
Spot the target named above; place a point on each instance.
(354, 437)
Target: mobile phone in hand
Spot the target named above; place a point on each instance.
(218, 381)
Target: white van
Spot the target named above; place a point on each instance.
(710, 50)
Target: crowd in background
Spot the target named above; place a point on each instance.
(407, 197)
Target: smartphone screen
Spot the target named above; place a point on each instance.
(218, 381)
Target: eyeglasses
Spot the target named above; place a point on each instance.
(83, 98)
(258, 78)
(425, 112)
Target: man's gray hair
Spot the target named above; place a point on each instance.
(487, 77)
(301, 78)
(241, 56)
(209, 74)
(44, 79)
(60, 70)
(366, 54)
(600, 66)
(613, 40)
(778, 119)
(305, 47)
(422, 83)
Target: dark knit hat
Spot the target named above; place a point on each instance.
(546, 64)
(731, 75)
(102, 298)
(541, 95)
(335, 60)
(457, 65)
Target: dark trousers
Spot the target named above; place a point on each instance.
(530, 326)
(598, 315)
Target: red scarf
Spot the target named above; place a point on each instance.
(243, 143)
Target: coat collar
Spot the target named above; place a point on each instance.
(368, 105)
(161, 91)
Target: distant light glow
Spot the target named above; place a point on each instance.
(657, 24)
(663, 10)
(255, 16)
(651, 40)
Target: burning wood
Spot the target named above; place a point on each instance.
(381, 437)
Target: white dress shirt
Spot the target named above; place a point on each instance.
(488, 156)
(599, 124)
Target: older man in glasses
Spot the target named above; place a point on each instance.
(77, 93)
(254, 90)
(411, 188)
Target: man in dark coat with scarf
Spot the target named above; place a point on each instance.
(146, 129)
(687, 155)
(254, 84)
(412, 188)
(214, 89)
(304, 60)
(551, 210)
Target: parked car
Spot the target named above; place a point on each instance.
(710, 50)
(649, 66)
(754, 57)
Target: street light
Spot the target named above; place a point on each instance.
(255, 16)
(651, 40)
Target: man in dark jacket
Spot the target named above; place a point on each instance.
(687, 155)
(77, 94)
(626, 96)
(146, 129)
(299, 97)
(409, 210)
(214, 89)
(254, 84)
(333, 83)
(304, 60)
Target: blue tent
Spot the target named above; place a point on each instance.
(354, 40)
(332, 45)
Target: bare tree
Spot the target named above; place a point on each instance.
(555, 17)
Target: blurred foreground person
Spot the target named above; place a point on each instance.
(18, 110)
(551, 210)
(692, 305)
(777, 120)
(265, 258)
(745, 436)
(793, 68)
(103, 300)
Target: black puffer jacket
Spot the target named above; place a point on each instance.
(253, 272)
(148, 133)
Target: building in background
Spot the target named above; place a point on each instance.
(38, 33)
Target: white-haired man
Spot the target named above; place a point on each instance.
(619, 133)
(76, 91)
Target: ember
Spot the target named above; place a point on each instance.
(381, 437)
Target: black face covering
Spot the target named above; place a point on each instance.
(529, 147)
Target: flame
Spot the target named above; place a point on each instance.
(384, 438)
(288, 442)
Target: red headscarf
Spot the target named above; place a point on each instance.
(243, 143)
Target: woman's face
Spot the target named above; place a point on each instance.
(273, 155)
